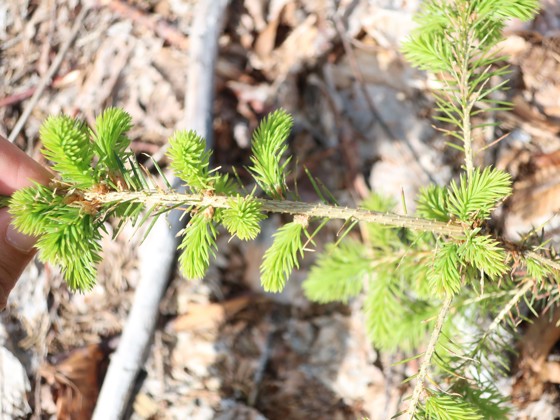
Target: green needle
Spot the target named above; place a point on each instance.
(4, 201)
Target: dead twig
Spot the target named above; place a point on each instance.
(159, 26)
(48, 77)
(58, 82)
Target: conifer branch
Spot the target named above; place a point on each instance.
(464, 57)
(456, 40)
(507, 308)
(552, 264)
(481, 345)
(316, 210)
(405, 265)
(426, 361)
(467, 139)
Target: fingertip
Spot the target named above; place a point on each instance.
(18, 240)
(18, 169)
(12, 259)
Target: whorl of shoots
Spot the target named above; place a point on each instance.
(67, 235)
(338, 274)
(478, 196)
(243, 217)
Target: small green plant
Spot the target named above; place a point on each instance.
(425, 277)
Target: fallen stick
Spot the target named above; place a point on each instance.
(157, 254)
(58, 82)
(159, 26)
(47, 78)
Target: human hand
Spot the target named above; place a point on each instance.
(17, 170)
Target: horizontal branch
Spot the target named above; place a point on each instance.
(159, 198)
(173, 199)
(543, 260)
(317, 210)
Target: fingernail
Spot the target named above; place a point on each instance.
(18, 240)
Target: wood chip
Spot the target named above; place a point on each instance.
(203, 316)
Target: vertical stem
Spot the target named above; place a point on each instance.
(421, 377)
(467, 141)
(465, 100)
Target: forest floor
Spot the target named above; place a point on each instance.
(223, 348)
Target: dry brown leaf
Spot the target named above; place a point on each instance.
(160, 27)
(305, 43)
(264, 43)
(266, 39)
(535, 346)
(538, 194)
(524, 111)
(539, 60)
(209, 315)
(75, 381)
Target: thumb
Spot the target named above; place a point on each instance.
(16, 250)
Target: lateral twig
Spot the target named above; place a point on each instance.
(543, 260)
(421, 377)
(507, 309)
